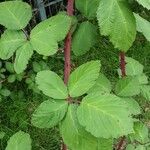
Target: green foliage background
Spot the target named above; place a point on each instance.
(24, 97)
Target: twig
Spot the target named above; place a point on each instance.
(123, 74)
(67, 52)
(67, 58)
(122, 64)
(121, 143)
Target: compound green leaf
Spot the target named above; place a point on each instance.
(137, 147)
(128, 86)
(9, 42)
(87, 7)
(74, 135)
(145, 91)
(141, 147)
(141, 133)
(143, 79)
(144, 3)
(83, 78)
(117, 21)
(23, 55)
(133, 106)
(105, 116)
(130, 147)
(102, 85)
(44, 44)
(51, 84)
(15, 14)
(49, 113)
(133, 67)
(143, 26)
(19, 141)
(46, 35)
(86, 33)
(105, 144)
(57, 25)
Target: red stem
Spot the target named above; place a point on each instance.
(64, 147)
(70, 6)
(67, 51)
(122, 64)
(121, 143)
(123, 74)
